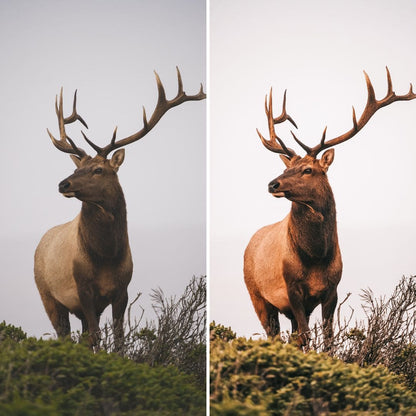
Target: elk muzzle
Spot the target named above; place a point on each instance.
(65, 189)
(274, 186)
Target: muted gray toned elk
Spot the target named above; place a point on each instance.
(85, 265)
(294, 265)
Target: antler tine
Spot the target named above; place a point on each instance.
(160, 89)
(65, 144)
(275, 143)
(113, 139)
(180, 84)
(389, 83)
(75, 116)
(98, 149)
(162, 106)
(371, 107)
(144, 119)
(284, 116)
(302, 145)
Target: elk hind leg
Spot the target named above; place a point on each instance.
(303, 337)
(84, 323)
(119, 306)
(328, 309)
(58, 315)
(268, 315)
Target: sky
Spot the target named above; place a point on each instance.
(107, 50)
(317, 51)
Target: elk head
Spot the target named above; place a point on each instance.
(304, 179)
(96, 177)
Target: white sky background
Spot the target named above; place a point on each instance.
(317, 50)
(108, 51)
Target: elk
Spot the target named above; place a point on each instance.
(294, 265)
(85, 265)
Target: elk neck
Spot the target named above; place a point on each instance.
(103, 227)
(313, 229)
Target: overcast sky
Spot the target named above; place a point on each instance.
(108, 51)
(317, 51)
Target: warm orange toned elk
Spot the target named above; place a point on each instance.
(85, 265)
(294, 265)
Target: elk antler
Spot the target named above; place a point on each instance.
(371, 107)
(162, 106)
(65, 144)
(275, 143)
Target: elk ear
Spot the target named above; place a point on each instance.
(326, 159)
(117, 159)
(285, 159)
(76, 160)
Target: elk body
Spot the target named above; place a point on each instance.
(85, 265)
(294, 265)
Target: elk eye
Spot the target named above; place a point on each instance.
(98, 171)
(307, 171)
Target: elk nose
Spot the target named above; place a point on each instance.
(273, 186)
(64, 185)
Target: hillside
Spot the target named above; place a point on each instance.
(269, 377)
(160, 370)
(370, 368)
(62, 378)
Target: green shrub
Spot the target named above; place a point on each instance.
(221, 332)
(177, 337)
(386, 337)
(19, 407)
(11, 332)
(268, 377)
(59, 377)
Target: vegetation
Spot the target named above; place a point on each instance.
(387, 337)
(55, 377)
(370, 369)
(178, 337)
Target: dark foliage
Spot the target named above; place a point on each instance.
(269, 377)
(178, 337)
(60, 377)
(387, 336)
(160, 370)
(370, 368)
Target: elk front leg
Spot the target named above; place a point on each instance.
(91, 319)
(296, 299)
(87, 293)
(118, 308)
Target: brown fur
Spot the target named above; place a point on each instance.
(294, 265)
(85, 265)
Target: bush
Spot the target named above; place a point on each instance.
(387, 336)
(10, 332)
(178, 337)
(221, 332)
(58, 377)
(147, 376)
(19, 407)
(268, 377)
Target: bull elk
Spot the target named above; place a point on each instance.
(85, 265)
(294, 265)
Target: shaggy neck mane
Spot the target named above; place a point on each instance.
(313, 229)
(103, 227)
